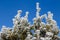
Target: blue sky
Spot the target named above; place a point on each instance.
(8, 9)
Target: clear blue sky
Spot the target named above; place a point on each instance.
(8, 9)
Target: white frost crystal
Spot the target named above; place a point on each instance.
(18, 15)
(49, 34)
(39, 30)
